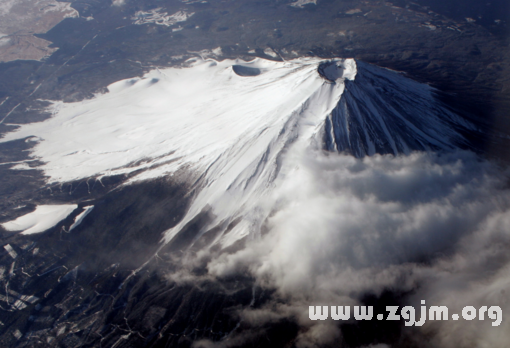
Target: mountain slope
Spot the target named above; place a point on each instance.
(243, 128)
(384, 112)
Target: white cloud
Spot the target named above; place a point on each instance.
(118, 2)
(343, 227)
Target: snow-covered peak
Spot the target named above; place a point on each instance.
(244, 128)
(177, 117)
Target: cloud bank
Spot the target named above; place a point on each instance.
(432, 226)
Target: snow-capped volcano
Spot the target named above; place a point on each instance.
(182, 116)
(243, 127)
(384, 112)
(287, 184)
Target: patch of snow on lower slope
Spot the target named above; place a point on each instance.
(79, 218)
(41, 219)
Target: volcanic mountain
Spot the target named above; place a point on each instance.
(220, 199)
(241, 127)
